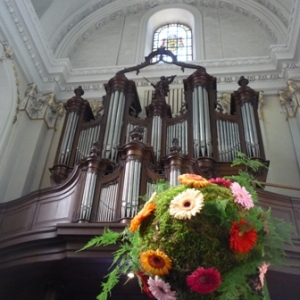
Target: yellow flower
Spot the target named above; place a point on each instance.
(193, 180)
(156, 262)
(186, 204)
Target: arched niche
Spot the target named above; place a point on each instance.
(160, 16)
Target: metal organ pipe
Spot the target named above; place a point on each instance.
(174, 173)
(207, 124)
(86, 139)
(156, 135)
(68, 138)
(246, 130)
(107, 203)
(179, 131)
(111, 124)
(228, 139)
(201, 123)
(118, 125)
(195, 124)
(114, 125)
(255, 146)
(130, 195)
(88, 196)
(200, 102)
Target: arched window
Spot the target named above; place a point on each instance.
(175, 37)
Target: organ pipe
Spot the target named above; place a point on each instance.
(201, 123)
(130, 195)
(107, 203)
(143, 151)
(88, 196)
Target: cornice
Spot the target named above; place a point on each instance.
(35, 56)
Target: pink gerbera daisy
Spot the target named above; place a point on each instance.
(241, 195)
(160, 289)
(204, 281)
(221, 181)
(262, 272)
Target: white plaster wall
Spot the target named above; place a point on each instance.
(241, 36)
(24, 158)
(25, 144)
(226, 35)
(101, 48)
(281, 153)
(128, 45)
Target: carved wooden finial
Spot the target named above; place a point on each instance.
(175, 146)
(137, 133)
(95, 150)
(243, 81)
(79, 91)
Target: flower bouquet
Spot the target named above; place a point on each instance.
(202, 239)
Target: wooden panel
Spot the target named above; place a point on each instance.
(54, 210)
(18, 219)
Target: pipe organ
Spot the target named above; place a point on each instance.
(122, 156)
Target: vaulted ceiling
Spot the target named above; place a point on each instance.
(62, 44)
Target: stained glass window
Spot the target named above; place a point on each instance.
(176, 38)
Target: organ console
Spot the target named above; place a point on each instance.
(136, 152)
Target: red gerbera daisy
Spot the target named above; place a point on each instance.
(204, 281)
(221, 181)
(145, 287)
(242, 237)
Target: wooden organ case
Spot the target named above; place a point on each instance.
(122, 156)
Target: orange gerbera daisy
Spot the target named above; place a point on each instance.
(242, 237)
(156, 262)
(146, 211)
(193, 180)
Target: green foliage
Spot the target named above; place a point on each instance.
(245, 178)
(109, 237)
(203, 240)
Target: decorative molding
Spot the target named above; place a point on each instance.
(116, 14)
(225, 102)
(96, 106)
(152, 3)
(227, 5)
(7, 54)
(208, 3)
(135, 8)
(41, 106)
(7, 51)
(261, 102)
(294, 17)
(191, 2)
(76, 19)
(275, 10)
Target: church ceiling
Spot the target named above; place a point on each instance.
(50, 37)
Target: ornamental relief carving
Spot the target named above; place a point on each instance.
(290, 98)
(135, 8)
(41, 106)
(6, 52)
